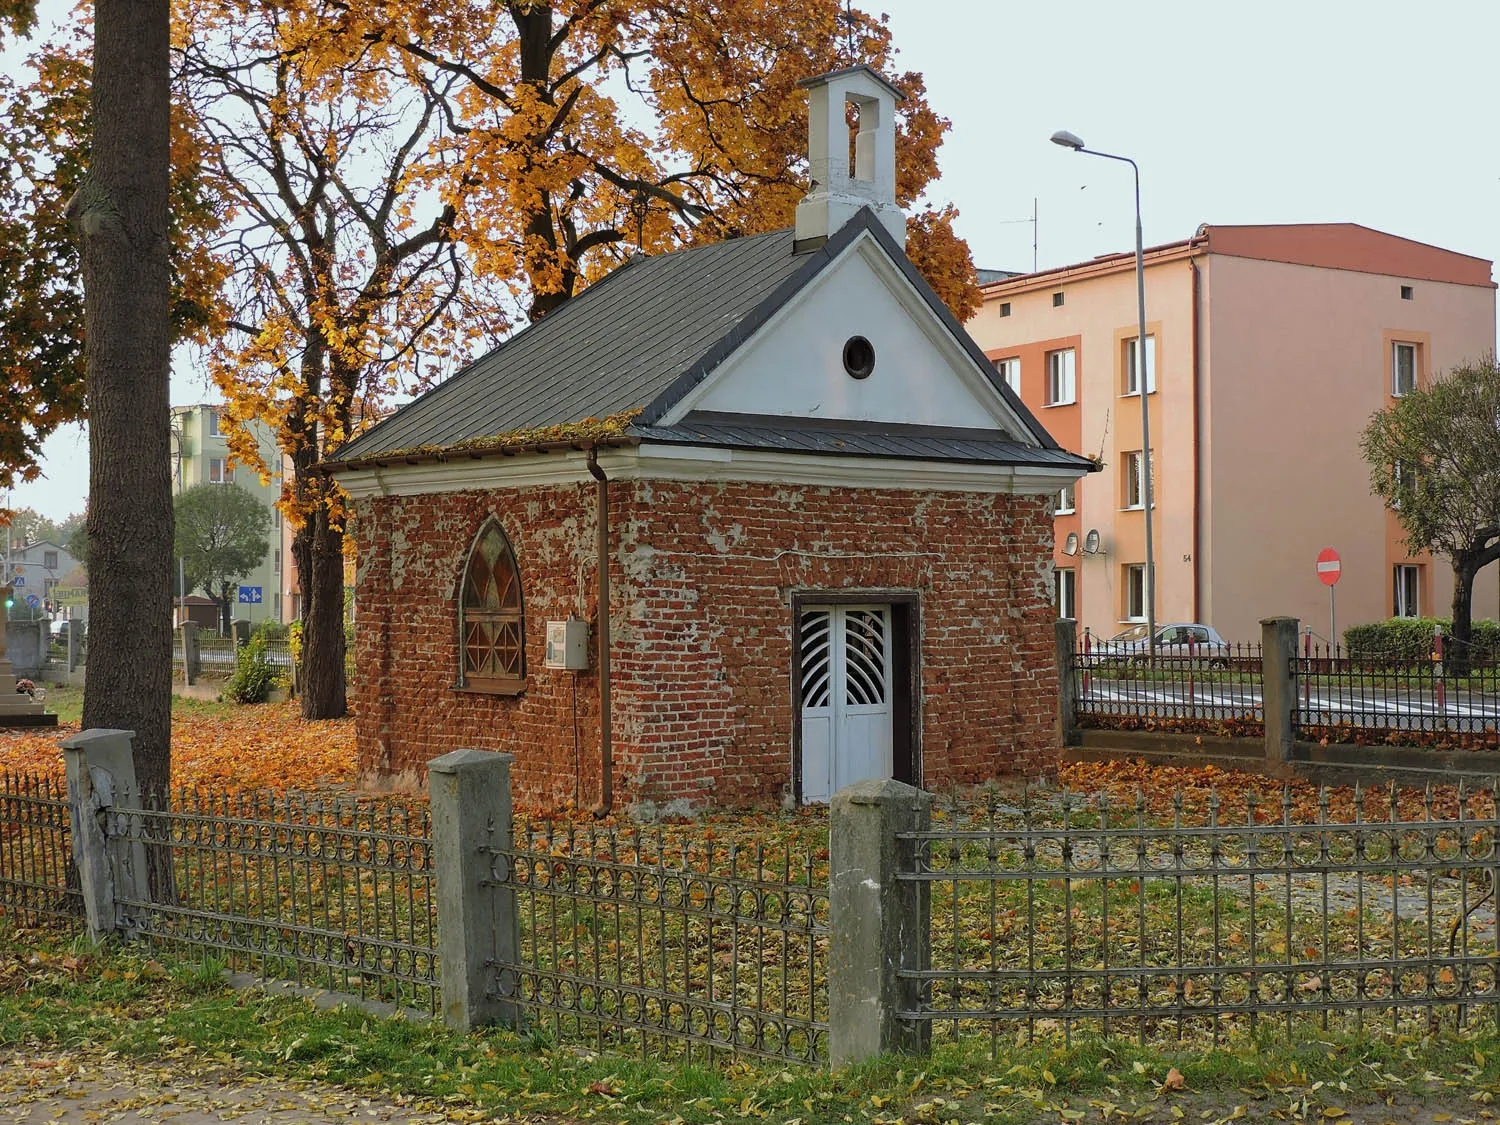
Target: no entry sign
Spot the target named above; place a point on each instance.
(1329, 566)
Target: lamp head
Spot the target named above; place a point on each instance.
(1067, 140)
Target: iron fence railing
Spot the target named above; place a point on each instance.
(35, 850)
(670, 941)
(1210, 685)
(1374, 697)
(335, 892)
(1083, 917)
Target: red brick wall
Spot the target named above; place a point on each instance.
(702, 581)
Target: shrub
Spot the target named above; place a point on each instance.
(1408, 640)
(254, 675)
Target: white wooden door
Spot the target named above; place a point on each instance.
(846, 697)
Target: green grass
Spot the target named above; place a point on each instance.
(60, 995)
(67, 701)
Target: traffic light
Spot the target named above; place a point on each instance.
(10, 597)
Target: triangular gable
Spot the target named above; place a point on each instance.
(787, 360)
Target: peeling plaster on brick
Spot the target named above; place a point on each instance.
(702, 577)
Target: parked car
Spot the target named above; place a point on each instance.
(1178, 641)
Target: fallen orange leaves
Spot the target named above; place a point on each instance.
(269, 746)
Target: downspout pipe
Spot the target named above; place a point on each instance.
(606, 732)
(1197, 455)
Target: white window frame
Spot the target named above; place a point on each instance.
(1132, 351)
(220, 470)
(1065, 593)
(49, 560)
(1067, 500)
(1406, 590)
(1135, 587)
(1135, 481)
(1397, 388)
(1009, 369)
(213, 424)
(276, 561)
(1062, 377)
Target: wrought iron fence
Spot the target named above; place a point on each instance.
(335, 892)
(1202, 687)
(1083, 917)
(670, 941)
(35, 850)
(1392, 697)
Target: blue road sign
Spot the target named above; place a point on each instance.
(18, 581)
(33, 601)
(251, 595)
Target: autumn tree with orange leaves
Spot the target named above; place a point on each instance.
(346, 284)
(565, 183)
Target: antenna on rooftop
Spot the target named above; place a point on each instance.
(849, 30)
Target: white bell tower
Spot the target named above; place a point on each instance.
(839, 190)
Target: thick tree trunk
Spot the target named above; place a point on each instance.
(120, 213)
(1458, 649)
(319, 549)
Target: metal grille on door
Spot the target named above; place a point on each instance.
(846, 697)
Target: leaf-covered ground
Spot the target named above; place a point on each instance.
(72, 1018)
(214, 746)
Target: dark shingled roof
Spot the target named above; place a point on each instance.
(611, 349)
(919, 443)
(641, 339)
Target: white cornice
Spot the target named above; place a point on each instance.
(660, 461)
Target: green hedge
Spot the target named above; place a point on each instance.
(1407, 639)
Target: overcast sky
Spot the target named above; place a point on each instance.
(1381, 112)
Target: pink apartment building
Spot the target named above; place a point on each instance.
(1269, 347)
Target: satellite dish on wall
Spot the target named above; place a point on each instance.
(1070, 545)
(1091, 542)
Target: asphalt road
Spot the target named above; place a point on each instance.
(1396, 709)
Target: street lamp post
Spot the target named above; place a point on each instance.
(1070, 140)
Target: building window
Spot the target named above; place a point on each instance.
(1135, 491)
(1010, 371)
(213, 424)
(1065, 593)
(1057, 300)
(1406, 293)
(1403, 368)
(1067, 501)
(49, 560)
(276, 561)
(220, 470)
(491, 624)
(1060, 377)
(1004, 308)
(1133, 366)
(1405, 584)
(1135, 592)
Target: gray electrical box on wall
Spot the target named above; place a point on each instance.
(568, 645)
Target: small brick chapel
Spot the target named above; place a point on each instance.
(738, 524)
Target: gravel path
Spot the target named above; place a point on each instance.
(78, 1089)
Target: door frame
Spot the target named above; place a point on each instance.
(906, 676)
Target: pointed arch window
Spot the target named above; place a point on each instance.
(491, 621)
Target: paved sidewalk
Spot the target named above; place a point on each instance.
(79, 1089)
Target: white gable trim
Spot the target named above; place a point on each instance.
(659, 461)
(1002, 416)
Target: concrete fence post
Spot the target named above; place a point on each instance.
(101, 790)
(75, 645)
(192, 655)
(1067, 680)
(879, 923)
(1278, 652)
(477, 924)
